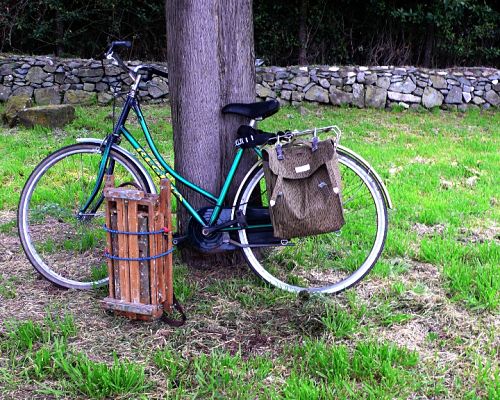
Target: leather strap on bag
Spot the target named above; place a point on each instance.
(176, 323)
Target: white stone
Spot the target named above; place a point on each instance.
(334, 69)
(432, 97)
(444, 73)
(395, 96)
(494, 81)
(303, 69)
(404, 105)
(478, 100)
(350, 74)
(363, 68)
(467, 96)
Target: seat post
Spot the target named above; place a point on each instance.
(253, 122)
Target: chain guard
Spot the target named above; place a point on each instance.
(216, 242)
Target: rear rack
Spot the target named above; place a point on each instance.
(289, 135)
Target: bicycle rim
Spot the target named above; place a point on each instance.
(326, 263)
(67, 250)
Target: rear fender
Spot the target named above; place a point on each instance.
(372, 172)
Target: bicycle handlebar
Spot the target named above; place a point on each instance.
(148, 69)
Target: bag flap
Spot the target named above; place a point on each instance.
(299, 160)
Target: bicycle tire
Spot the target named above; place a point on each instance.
(302, 267)
(57, 244)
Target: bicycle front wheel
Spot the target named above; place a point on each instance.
(326, 263)
(65, 248)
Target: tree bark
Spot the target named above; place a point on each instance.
(210, 56)
(303, 40)
(429, 45)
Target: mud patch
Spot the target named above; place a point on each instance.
(480, 235)
(426, 230)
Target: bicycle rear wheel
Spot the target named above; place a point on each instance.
(65, 249)
(326, 263)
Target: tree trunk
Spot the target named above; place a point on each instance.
(60, 34)
(429, 44)
(211, 63)
(303, 40)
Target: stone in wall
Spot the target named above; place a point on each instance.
(438, 82)
(79, 97)
(5, 92)
(492, 98)
(46, 96)
(301, 81)
(375, 97)
(36, 75)
(339, 97)
(358, 95)
(317, 94)
(432, 97)
(454, 96)
(405, 86)
(264, 92)
(406, 98)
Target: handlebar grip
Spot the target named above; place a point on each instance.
(122, 43)
(159, 72)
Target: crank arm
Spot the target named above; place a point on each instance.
(178, 240)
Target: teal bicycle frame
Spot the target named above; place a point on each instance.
(159, 166)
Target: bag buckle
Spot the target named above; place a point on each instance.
(314, 146)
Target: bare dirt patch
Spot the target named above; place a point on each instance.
(428, 230)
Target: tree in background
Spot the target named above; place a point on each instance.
(437, 33)
(211, 64)
(82, 28)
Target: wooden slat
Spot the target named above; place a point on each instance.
(133, 252)
(160, 248)
(109, 183)
(121, 207)
(115, 252)
(152, 263)
(122, 193)
(165, 209)
(143, 241)
(124, 306)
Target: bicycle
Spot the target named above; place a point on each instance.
(60, 214)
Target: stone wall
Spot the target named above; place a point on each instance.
(52, 81)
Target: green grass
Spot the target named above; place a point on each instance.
(370, 371)
(245, 340)
(41, 351)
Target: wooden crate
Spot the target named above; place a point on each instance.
(140, 278)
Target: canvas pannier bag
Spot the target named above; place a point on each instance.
(303, 188)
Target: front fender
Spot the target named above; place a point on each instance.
(127, 154)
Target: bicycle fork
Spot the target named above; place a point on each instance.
(84, 212)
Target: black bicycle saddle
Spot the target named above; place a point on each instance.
(262, 109)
